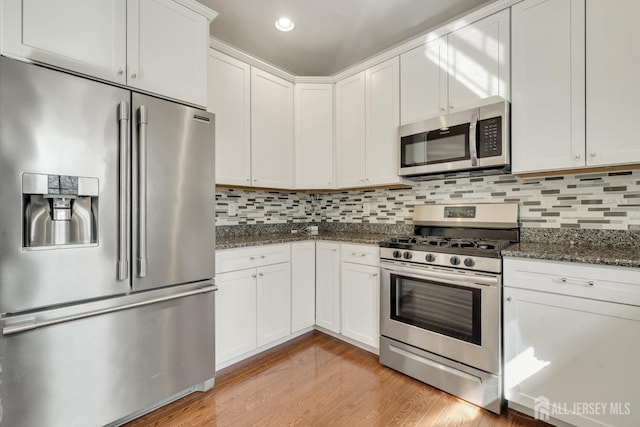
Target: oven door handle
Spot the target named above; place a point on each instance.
(452, 277)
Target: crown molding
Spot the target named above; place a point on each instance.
(203, 10)
(314, 79)
(221, 46)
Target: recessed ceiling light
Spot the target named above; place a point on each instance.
(284, 24)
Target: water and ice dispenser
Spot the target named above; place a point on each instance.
(59, 210)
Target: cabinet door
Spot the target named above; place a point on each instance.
(350, 131)
(382, 119)
(361, 303)
(423, 77)
(314, 135)
(235, 314)
(230, 100)
(303, 285)
(613, 87)
(328, 286)
(88, 37)
(167, 46)
(479, 61)
(271, 130)
(548, 85)
(562, 351)
(274, 302)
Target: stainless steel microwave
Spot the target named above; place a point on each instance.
(476, 138)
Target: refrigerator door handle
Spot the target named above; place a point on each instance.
(142, 190)
(123, 223)
(31, 324)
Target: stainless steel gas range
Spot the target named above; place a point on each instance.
(440, 301)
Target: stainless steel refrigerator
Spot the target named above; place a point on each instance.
(106, 249)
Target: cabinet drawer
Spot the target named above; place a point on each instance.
(255, 256)
(605, 283)
(361, 254)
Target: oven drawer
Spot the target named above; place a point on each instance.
(605, 283)
(361, 254)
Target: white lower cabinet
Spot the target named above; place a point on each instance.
(570, 342)
(360, 291)
(328, 286)
(273, 302)
(253, 304)
(303, 285)
(235, 314)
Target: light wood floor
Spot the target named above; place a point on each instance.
(317, 380)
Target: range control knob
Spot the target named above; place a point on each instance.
(430, 258)
(469, 262)
(407, 255)
(397, 254)
(454, 260)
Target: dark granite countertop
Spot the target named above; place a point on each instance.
(616, 256)
(270, 239)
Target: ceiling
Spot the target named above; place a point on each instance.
(329, 35)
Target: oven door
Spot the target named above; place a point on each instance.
(455, 314)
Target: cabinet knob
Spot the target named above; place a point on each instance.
(593, 154)
(120, 71)
(363, 255)
(262, 256)
(260, 274)
(248, 179)
(451, 107)
(508, 299)
(375, 274)
(253, 276)
(443, 109)
(334, 250)
(577, 156)
(251, 258)
(563, 280)
(590, 283)
(133, 76)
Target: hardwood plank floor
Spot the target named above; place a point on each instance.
(318, 380)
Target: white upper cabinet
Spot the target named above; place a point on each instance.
(560, 76)
(382, 93)
(367, 118)
(88, 37)
(424, 88)
(271, 131)
(230, 100)
(313, 123)
(548, 123)
(454, 71)
(613, 86)
(157, 46)
(350, 131)
(479, 61)
(167, 45)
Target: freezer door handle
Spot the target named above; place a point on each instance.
(33, 323)
(123, 223)
(142, 190)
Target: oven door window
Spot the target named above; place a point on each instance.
(447, 309)
(448, 145)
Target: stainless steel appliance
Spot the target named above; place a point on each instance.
(106, 249)
(473, 139)
(440, 300)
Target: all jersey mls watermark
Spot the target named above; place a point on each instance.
(543, 408)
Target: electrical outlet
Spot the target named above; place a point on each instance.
(232, 209)
(366, 208)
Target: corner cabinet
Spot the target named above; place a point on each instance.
(367, 118)
(456, 70)
(157, 46)
(328, 286)
(271, 131)
(229, 89)
(313, 118)
(571, 60)
(570, 339)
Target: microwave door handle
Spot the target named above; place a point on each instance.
(142, 191)
(123, 192)
(473, 151)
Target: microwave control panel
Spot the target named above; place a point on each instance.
(490, 137)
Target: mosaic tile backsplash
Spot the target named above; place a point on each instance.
(603, 200)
